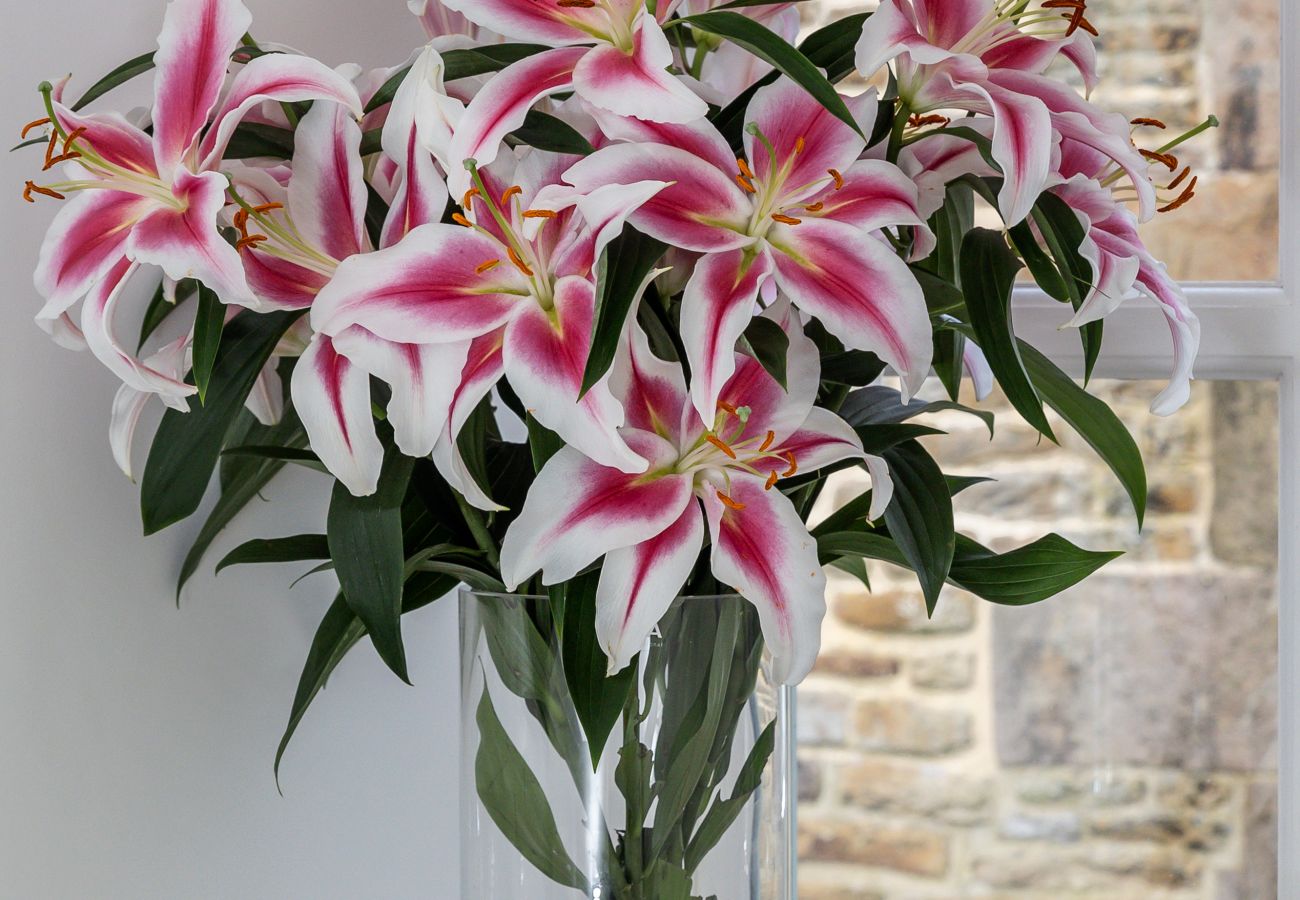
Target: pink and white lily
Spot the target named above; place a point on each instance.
(987, 57)
(801, 212)
(509, 290)
(649, 526)
(1091, 185)
(611, 53)
(154, 199)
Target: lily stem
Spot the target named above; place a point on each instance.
(478, 528)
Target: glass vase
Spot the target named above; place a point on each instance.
(690, 798)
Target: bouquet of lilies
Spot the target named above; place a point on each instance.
(604, 290)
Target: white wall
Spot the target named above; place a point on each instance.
(136, 741)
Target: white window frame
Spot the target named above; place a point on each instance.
(1249, 331)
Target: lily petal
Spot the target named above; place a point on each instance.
(699, 137)
(803, 134)
(702, 209)
(426, 289)
(893, 30)
(780, 410)
(503, 104)
(484, 367)
(424, 378)
(638, 83)
(184, 242)
(128, 406)
(863, 293)
(332, 396)
(284, 77)
(653, 390)
(639, 583)
(193, 55)
(87, 238)
(717, 307)
(327, 192)
(875, 195)
(546, 356)
(578, 510)
(764, 551)
(532, 20)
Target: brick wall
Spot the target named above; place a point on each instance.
(1116, 743)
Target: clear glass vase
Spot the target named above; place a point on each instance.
(691, 798)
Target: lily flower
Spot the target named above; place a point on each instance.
(725, 69)
(611, 53)
(988, 57)
(797, 213)
(649, 526)
(153, 199)
(1096, 190)
(508, 290)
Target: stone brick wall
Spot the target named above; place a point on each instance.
(1116, 743)
(1180, 61)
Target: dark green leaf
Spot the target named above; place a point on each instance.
(725, 812)
(621, 279)
(772, 48)
(949, 345)
(1064, 234)
(543, 443)
(338, 633)
(940, 296)
(207, 338)
(920, 517)
(522, 656)
(881, 405)
(876, 439)
(988, 274)
(365, 540)
(598, 700)
(296, 548)
(554, 135)
(833, 47)
(855, 368)
(187, 446)
(771, 346)
(514, 799)
(1095, 422)
(388, 90)
(297, 455)
(253, 140)
(486, 59)
(119, 76)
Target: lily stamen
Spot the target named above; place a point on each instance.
(729, 503)
(1187, 170)
(836, 177)
(540, 214)
(251, 241)
(487, 266)
(53, 161)
(772, 479)
(1183, 199)
(1168, 160)
(815, 207)
(721, 445)
(917, 121)
(31, 126)
(467, 203)
(768, 442)
(519, 262)
(1148, 122)
(786, 220)
(799, 145)
(461, 220)
(267, 207)
(746, 184)
(576, 4)
(32, 187)
(67, 141)
(794, 465)
(510, 193)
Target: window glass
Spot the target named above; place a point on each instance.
(1118, 742)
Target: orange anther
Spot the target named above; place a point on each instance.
(815, 207)
(511, 192)
(746, 184)
(785, 220)
(461, 220)
(67, 141)
(32, 188)
(728, 408)
(729, 503)
(744, 168)
(487, 266)
(1152, 123)
(720, 444)
(63, 157)
(794, 466)
(800, 145)
(772, 479)
(576, 4)
(1187, 170)
(837, 177)
(540, 214)
(468, 201)
(768, 442)
(1168, 160)
(250, 242)
(1188, 193)
(267, 207)
(519, 262)
(27, 129)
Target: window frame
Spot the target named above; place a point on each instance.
(1249, 331)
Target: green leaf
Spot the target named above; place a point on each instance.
(252, 140)
(876, 439)
(554, 135)
(297, 455)
(514, 799)
(622, 276)
(365, 541)
(543, 443)
(337, 634)
(725, 812)
(881, 405)
(296, 548)
(597, 699)
(1095, 422)
(772, 48)
(119, 76)
(771, 346)
(486, 59)
(522, 656)
(988, 273)
(833, 47)
(187, 446)
(207, 338)
(920, 517)
(949, 347)
(1064, 234)
(855, 368)
(242, 484)
(941, 296)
